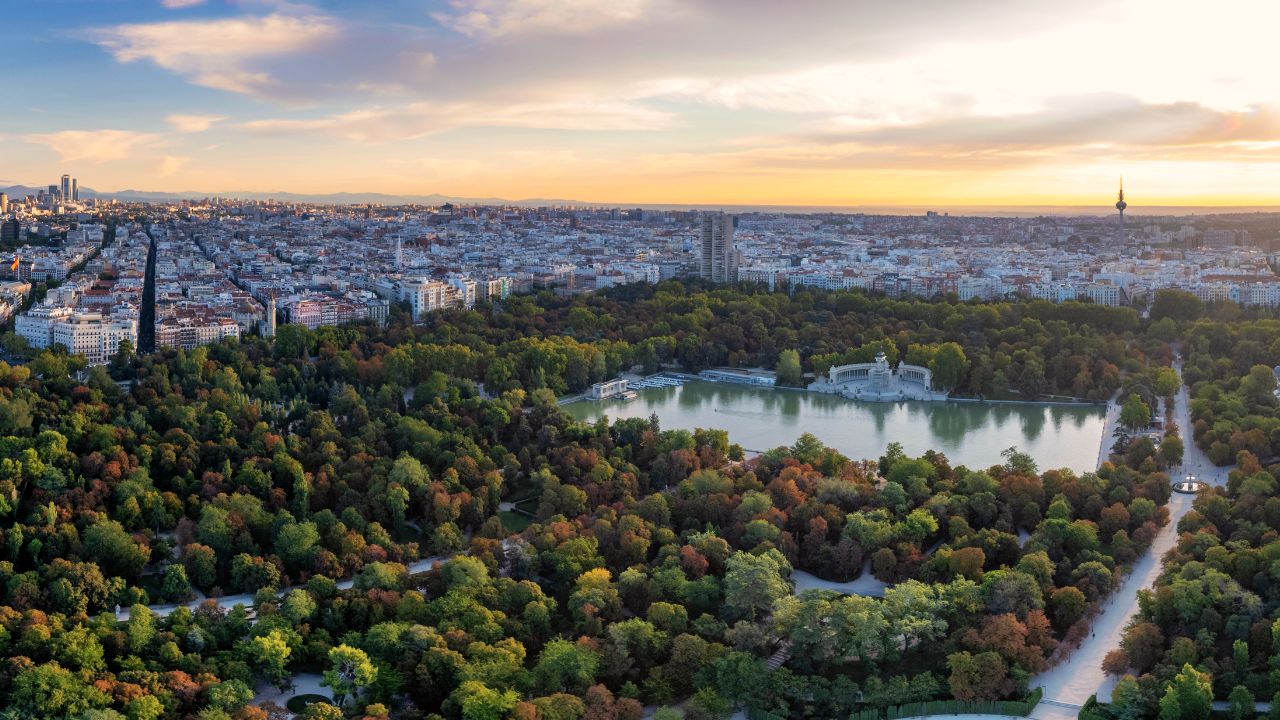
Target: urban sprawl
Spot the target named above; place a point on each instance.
(226, 267)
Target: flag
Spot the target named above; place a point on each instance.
(14, 266)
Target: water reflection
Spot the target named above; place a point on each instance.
(969, 433)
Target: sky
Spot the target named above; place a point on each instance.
(780, 102)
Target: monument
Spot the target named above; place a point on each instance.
(879, 382)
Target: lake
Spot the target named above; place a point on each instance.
(971, 434)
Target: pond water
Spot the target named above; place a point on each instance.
(971, 434)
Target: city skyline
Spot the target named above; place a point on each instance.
(947, 104)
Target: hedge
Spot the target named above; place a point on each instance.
(1016, 708)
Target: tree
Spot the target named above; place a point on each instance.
(1171, 450)
(49, 691)
(270, 653)
(147, 707)
(967, 563)
(983, 676)
(753, 583)
(1127, 700)
(115, 550)
(1260, 384)
(1240, 703)
(1166, 382)
(350, 671)
(140, 628)
(201, 564)
(1134, 414)
(175, 587)
(1188, 697)
(789, 373)
(1176, 305)
(1031, 381)
(564, 666)
(1068, 605)
(950, 366)
(296, 545)
(299, 606)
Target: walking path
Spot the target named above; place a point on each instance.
(1109, 424)
(1068, 685)
(303, 684)
(228, 602)
(865, 584)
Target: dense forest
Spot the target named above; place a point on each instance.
(1009, 350)
(584, 570)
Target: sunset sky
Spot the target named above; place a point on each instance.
(814, 102)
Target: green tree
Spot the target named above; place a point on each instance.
(49, 691)
(1176, 305)
(983, 676)
(270, 653)
(477, 701)
(950, 366)
(1134, 414)
(789, 373)
(1260, 384)
(1166, 382)
(564, 666)
(350, 670)
(115, 550)
(1240, 703)
(753, 583)
(1188, 697)
(175, 587)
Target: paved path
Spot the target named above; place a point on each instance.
(303, 684)
(1073, 681)
(228, 602)
(1109, 424)
(865, 584)
(1069, 684)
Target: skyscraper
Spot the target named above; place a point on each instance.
(719, 259)
(75, 190)
(66, 188)
(4, 203)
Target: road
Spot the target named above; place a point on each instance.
(1068, 685)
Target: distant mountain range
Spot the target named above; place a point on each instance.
(17, 191)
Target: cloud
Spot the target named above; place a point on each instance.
(496, 18)
(1077, 121)
(421, 119)
(224, 53)
(177, 4)
(171, 164)
(193, 123)
(93, 145)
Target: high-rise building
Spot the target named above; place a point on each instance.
(719, 260)
(75, 190)
(66, 188)
(9, 231)
(4, 203)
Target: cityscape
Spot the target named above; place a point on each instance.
(220, 264)
(639, 360)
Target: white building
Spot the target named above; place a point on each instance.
(95, 336)
(36, 326)
(426, 296)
